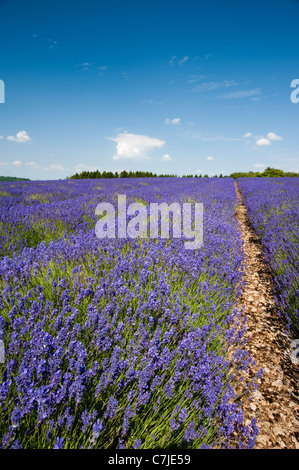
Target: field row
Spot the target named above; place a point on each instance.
(273, 210)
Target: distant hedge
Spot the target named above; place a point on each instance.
(13, 178)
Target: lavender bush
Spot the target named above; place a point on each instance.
(273, 210)
(119, 343)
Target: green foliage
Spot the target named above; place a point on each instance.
(13, 178)
(267, 173)
(123, 174)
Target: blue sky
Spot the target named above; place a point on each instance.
(164, 86)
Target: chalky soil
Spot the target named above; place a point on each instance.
(275, 403)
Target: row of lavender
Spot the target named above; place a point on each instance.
(119, 343)
(273, 210)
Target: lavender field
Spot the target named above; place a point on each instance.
(132, 343)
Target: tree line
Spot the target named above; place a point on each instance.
(123, 174)
(13, 178)
(268, 172)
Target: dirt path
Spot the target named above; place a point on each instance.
(275, 404)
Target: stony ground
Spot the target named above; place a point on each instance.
(276, 402)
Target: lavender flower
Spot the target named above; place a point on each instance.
(59, 444)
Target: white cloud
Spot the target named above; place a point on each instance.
(172, 121)
(183, 60)
(166, 157)
(199, 172)
(259, 165)
(134, 146)
(228, 83)
(194, 78)
(17, 163)
(87, 65)
(32, 164)
(207, 86)
(21, 136)
(210, 158)
(241, 94)
(214, 85)
(263, 142)
(1, 137)
(273, 136)
(56, 167)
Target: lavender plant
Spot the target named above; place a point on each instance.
(119, 343)
(272, 205)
